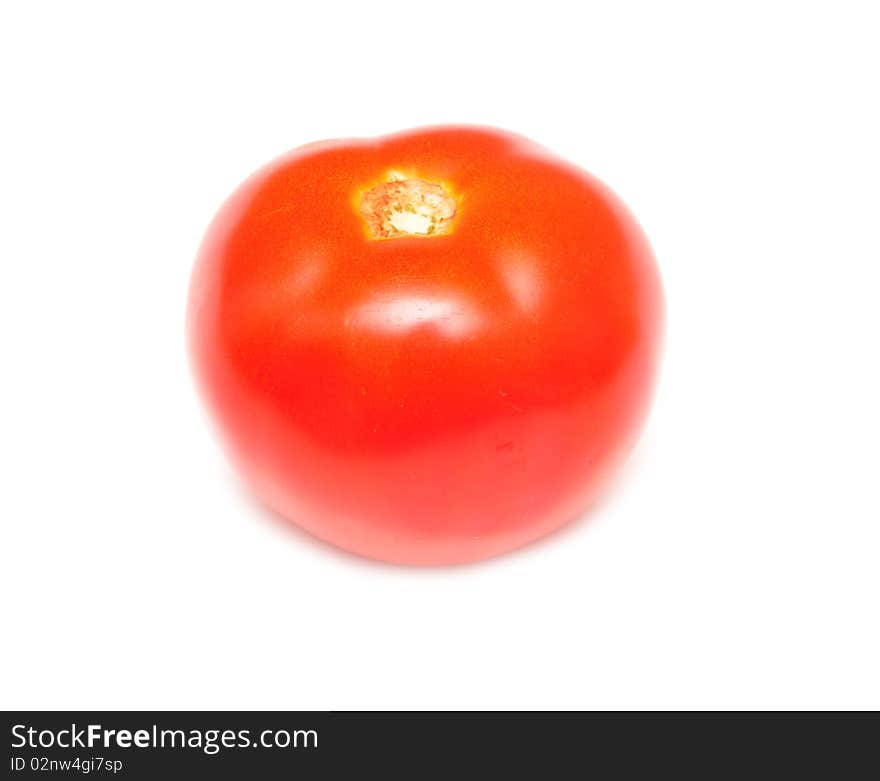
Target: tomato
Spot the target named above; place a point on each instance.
(427, 348)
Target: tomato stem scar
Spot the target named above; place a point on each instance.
(407, 207)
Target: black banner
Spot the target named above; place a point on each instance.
(267, 745)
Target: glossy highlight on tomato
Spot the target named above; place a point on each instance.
(427, 348)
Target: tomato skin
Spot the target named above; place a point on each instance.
(426, 399)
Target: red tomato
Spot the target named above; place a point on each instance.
(427, 348)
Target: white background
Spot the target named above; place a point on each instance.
(735, 562)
